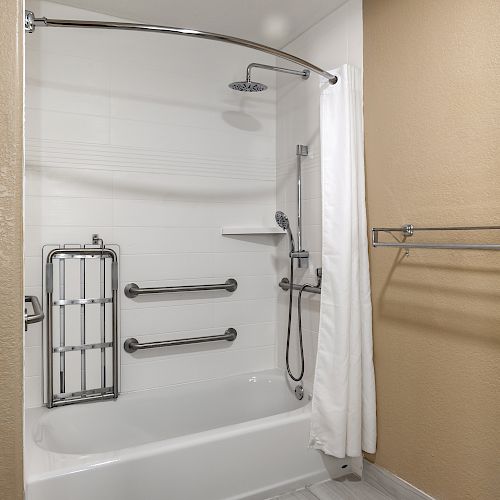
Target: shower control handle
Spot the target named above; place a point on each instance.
(302, 254)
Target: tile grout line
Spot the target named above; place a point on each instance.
(307, 488)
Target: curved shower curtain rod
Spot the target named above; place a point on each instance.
(30, 22)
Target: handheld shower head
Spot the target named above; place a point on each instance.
(284, 223)
(282, 220)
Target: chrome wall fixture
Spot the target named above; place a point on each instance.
(282, 220)
(305, 73)
(133, 290)
(31, 22)
(108, 280)
(302, 257)
(408, 230)
(250, 86)
(304, 254)
(37, 315)
(284, 284)
(133, 345)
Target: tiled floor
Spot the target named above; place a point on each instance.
(348, 488)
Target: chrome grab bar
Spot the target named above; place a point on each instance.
(133, 289)
(284, 284)
(132, 344)
(37, 315)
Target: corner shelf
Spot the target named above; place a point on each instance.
(251, 230)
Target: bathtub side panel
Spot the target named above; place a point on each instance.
(245, 464)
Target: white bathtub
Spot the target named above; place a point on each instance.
(239, 437)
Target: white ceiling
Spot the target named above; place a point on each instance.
(271, 22)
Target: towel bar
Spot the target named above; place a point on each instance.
(408, 230)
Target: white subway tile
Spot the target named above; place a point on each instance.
(165, 319)
(60, 82)
(195, 187)
(33, 272)
(62, 211)
(68, 182)
(66, 126)
(163, 240)
(245, 312)
(33, 392)
(145, 134)
(200, 367)
(33, 361)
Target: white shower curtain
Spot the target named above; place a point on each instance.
(343, 407)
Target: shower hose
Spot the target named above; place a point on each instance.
(299, 317)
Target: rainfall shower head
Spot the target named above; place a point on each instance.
(251, 86)
(248, 86)
(284, 223)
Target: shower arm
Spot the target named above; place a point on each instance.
(30, 22)
(305, 73)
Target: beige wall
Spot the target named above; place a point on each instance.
(432, 112)
(11, 258)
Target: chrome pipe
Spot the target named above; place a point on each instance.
(62, 325)
(69, 398)
(305, 73)
(83, 330)
(284, 284)
(83, 347)
(133, 289)
(31, 22)
(102, 317)
(132, 344)
(116, 361)
(49, 279)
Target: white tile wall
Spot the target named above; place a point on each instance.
(138, 138)
(336, 40)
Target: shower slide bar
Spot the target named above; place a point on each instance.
(31, 22)
(408, 231)
(132, 344)
(133, 289)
